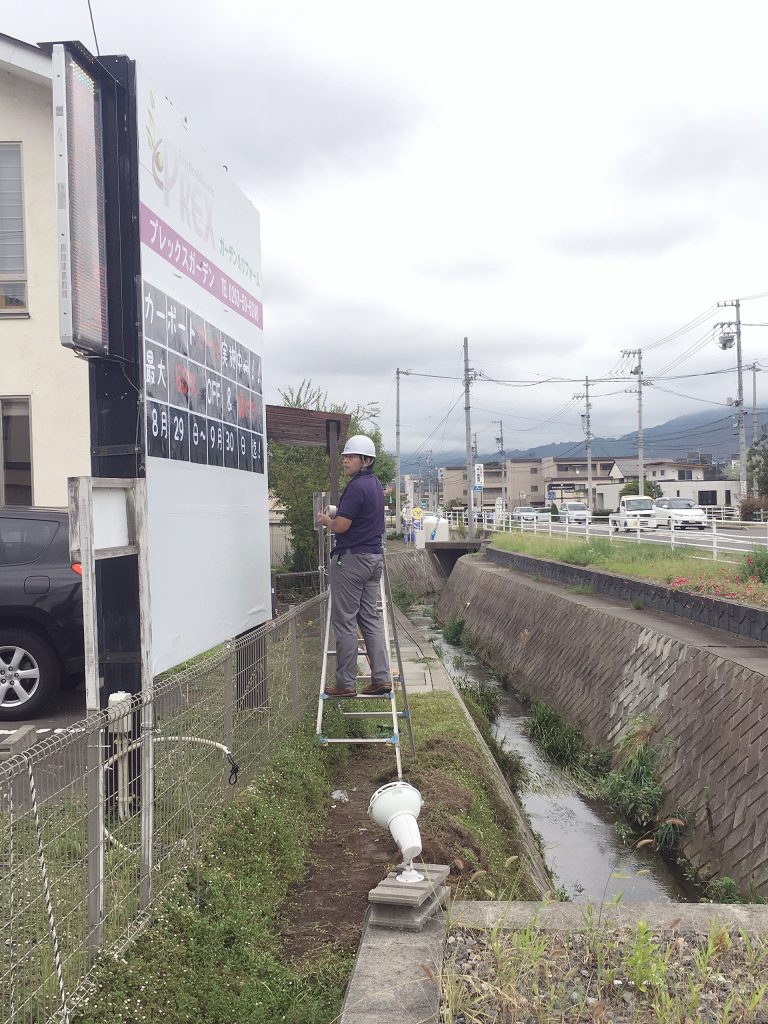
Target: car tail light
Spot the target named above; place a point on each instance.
(77, 567)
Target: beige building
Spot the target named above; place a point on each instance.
(45, 434)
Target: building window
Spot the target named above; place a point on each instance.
(685, 474)
(534, 469)
(534, 488)
(13, 266)
(15, 452)
(707, 498)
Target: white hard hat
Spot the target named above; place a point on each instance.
(360, 445)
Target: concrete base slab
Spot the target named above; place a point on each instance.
(409, 894)
(410, 919)
(396, 977)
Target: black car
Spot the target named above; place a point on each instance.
(41, 609)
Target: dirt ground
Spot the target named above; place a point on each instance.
(349, 860)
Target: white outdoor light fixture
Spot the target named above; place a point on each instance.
(396, 806)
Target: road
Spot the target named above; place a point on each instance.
(68, 709)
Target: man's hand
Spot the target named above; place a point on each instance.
(337, 524)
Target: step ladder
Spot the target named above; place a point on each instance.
(392, 714)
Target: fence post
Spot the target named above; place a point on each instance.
(294, 655)
(95, 811)
(714, 539)
(229, 711)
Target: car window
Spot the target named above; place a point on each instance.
(25, 540)
(681, 503)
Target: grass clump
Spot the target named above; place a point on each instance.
(632, 787)
(483, 701)
(213, 952)
(722, 889)
(452, 631)
(403, 595)
(755, 566)
(487, 698)
(560, 742)
(679, 568)
(602, 973)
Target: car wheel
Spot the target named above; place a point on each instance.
(702, 527)
(29, 674)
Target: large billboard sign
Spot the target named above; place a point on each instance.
(202, 347)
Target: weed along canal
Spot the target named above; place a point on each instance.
(579, 834)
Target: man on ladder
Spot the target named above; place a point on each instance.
(357, 561)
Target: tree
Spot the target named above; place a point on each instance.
(757, 465)
(296, 472)
(650, 488)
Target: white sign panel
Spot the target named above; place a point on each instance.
(203, 347)
(479, 474)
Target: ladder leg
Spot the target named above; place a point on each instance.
(324, 671)
(390, 607)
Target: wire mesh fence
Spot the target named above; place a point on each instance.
(97, 822)
(292, 588)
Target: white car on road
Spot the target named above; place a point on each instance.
(574, 512)
(525, 514)
(679, 514)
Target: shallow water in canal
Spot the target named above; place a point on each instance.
(581, 845)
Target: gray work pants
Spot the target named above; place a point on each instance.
(354, 602)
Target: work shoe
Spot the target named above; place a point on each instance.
(376, 689)
(337, 692)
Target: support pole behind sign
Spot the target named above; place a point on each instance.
(137, 508)
(82, 550)
(333, 433)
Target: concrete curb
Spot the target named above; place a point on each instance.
(660, 917)
(396, 977)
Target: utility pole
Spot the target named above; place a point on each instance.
(639, 371)
(725, 341)
(587, 424)
(398, 372)
(755, 371)
(500, 447)
(469, 376)
(429, 477)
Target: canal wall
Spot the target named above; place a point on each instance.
(416, 569)
(601, 664)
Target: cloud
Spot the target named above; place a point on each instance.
(631, 237)
(296, 117)
(679, 150)
(476, 269)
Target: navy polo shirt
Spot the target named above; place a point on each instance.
(363, 503)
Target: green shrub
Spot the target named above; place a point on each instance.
(722, 890)
(633, 788)
(511, 763)
(486, 696)
(755, 565)
(453, 630)
(403, 596)
(562, 743)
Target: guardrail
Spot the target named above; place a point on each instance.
(222, 716)
(721, 537)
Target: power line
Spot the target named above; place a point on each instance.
(93, 26)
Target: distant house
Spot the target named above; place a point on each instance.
(44, 405)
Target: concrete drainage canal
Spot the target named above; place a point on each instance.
(581, 845)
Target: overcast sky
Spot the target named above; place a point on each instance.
(555, 180)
